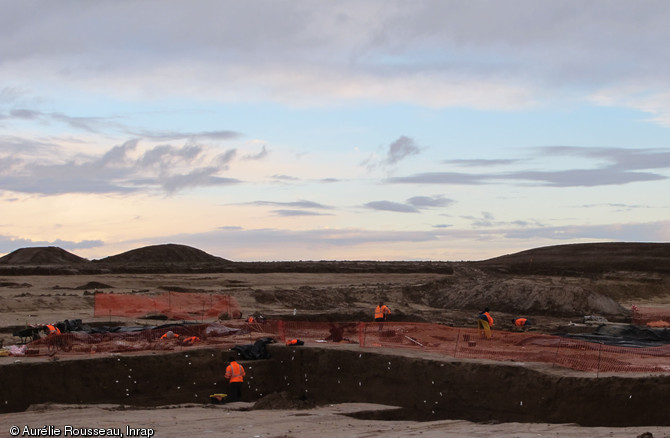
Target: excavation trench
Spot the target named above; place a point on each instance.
(422, 387)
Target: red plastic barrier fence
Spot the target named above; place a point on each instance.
(651, 316)
(174, 305)
(435, 338)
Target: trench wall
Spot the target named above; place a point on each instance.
(423, 388)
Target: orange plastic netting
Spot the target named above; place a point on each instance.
(174, 305)
(439, 339)
(651, 316)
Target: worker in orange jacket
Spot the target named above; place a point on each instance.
(235, 375)
(52, 330)
(169, 335)
(190, 340)
(484, 323)
(522, 323)
(382, 312)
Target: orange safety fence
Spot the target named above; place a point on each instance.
(518, 347)
(521, 347)
(651, 316)
(174, 305)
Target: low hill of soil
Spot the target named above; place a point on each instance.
(584, 258)
(170, 253)
(49, 255)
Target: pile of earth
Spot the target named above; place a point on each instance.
(50, 255)
(283, 400)
(581, 258)
(471, 288)
(167, 254)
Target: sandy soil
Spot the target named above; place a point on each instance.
(237, 420)
(26, 300)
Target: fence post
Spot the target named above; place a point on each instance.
(458, 337)
(361, 334)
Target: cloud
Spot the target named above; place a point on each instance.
(400, 149)
(87, 124)
(259, 156)
(397, 151)
(412, 205)
(9, 244)
(584, 177)
(622, 168)
(486, 220)
(180, 135)
(616, 206)
(295, 204)
(481, 162)
(122, 169)
(621, 232)
(440, 178)
(25, 114)
(285, 178)
(201, 177)
(391, 206)
(284, 212)
(436, 53)
(620, 158)
(429, 201)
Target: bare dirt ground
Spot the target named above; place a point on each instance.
(446, 298)
(236, 420)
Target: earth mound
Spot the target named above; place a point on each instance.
(475, 289)
(49, 255)
(93, 285)
(163, 254)
(283, 400)
(579, 258)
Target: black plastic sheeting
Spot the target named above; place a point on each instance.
(624, 336)
(254, 351)
(75, 325)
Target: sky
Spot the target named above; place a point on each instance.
(319, 130)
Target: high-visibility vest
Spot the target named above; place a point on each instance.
(235, 372)
(250, 319)
(489, 318)
(520, 322)
(191, 340)
(53, 330)
(291, 342)
(165, 335)
(381, 311)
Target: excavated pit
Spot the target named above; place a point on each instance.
(422, 387)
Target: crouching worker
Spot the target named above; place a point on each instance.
(191, 340)
(170, 335)
(235, 375)
(51, 330)
(522, 323)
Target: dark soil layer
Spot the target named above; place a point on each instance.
(427, 388)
